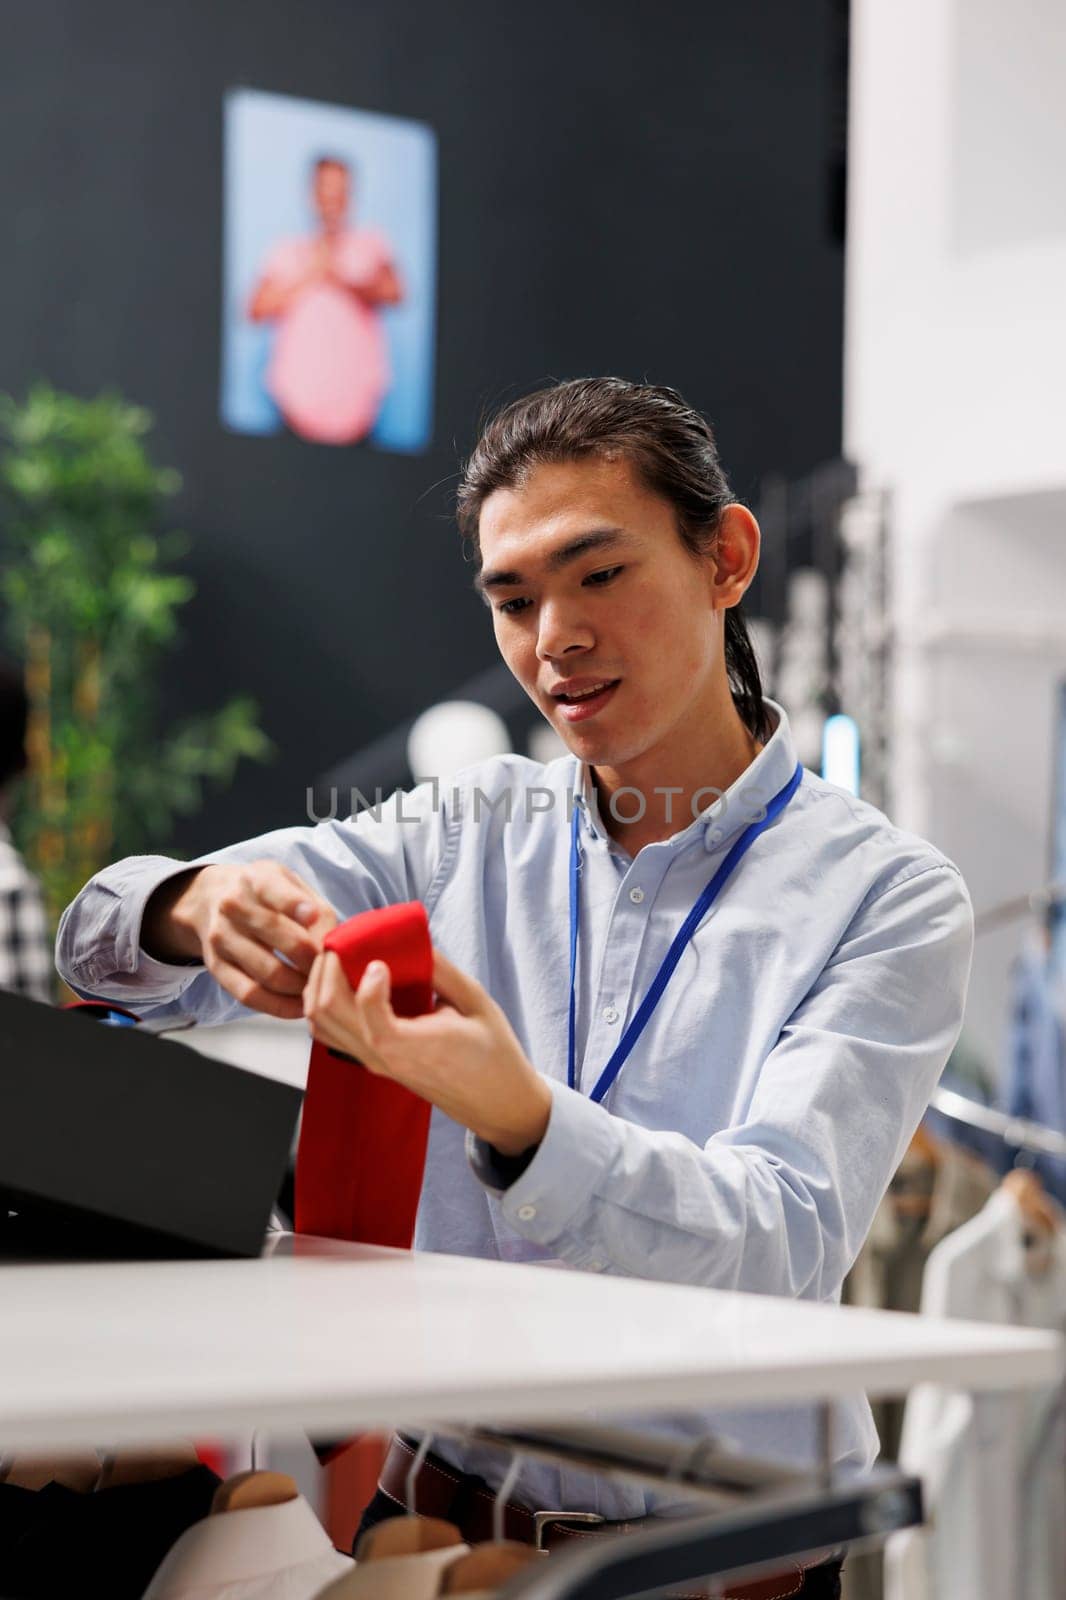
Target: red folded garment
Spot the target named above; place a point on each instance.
(363, 1138)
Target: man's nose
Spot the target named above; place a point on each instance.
(561, 628)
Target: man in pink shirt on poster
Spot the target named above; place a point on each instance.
(330, 371)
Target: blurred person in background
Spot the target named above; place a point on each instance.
(329, 372)
(26, 965)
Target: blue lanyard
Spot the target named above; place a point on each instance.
(673, 955)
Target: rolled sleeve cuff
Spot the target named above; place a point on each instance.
(114, 955)
(549, 1197)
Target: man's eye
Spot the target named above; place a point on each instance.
(600, 578)
(511, 608)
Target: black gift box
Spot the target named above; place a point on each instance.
(117, 1143)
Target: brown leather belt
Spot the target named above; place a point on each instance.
(443, 1491)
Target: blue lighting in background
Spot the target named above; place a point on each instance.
(840, 753)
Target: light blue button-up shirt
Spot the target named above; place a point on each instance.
(753, 1130)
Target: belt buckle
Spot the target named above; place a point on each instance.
(541, 1519)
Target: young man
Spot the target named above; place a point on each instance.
(746, 1139)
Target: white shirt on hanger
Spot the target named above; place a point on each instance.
(262, 1553)
(992, 1470)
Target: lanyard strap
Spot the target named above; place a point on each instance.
(680, 940)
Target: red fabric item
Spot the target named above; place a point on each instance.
(363, 1138)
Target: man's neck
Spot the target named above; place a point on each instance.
(676, 784)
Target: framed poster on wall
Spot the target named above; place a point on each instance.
(329, 272)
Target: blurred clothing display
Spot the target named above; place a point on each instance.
(416, 1576)
(269, 1552)
(802, 678)
(937, 1187)
(57, 1541)
(26, 963)
(1035, 1075)
(994, 1471)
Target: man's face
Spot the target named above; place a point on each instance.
(331, 193)
(600, 590)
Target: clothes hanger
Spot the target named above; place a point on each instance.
(910, 1190)
(247, 1491)
(78, 1471)
(412, 1534)
(1033, 1200)
(412, 1576)
(402, 1558)
(487, 1567)
(147, 1464)
(924, 1147)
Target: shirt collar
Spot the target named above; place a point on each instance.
(234, 1546)
(725, 815)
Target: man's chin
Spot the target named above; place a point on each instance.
(594, 745)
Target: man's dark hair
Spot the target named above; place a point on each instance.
(14, 715)
(669, 444)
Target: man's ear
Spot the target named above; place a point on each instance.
(734, 556)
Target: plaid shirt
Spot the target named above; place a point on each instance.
(26, 964)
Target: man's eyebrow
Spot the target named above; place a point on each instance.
(573, 550)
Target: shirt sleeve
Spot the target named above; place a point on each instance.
(781, 1202)
(400, 849)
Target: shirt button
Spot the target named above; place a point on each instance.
(526, 1213)
(716, 834)
(636, 895)
(610, 1014)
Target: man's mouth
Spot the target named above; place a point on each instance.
(585, 697)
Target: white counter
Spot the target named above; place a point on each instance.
(337, 1338)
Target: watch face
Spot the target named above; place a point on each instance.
(110, 1016)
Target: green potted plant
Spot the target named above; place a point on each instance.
(91, 606)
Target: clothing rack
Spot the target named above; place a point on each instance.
(1019, 906)
(686, 1551)
(1016, 1131)
(766, 1513)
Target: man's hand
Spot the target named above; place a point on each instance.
(237, 919)
(463, 1057)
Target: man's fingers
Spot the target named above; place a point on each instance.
(279, 911)
(335, 1015)
(273, 931)
(312, 988)
(284, 890)
(310, 906)
(253, 994)
(256, 962)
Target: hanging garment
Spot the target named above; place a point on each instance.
(363, 1137)
(275, 1552)
(1036, 1055)
(55, 1541)
(412, 1577)
(983, 1542)
(930, 1195)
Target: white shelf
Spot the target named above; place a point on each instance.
(334, 1338)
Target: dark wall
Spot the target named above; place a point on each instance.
(635, 188)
